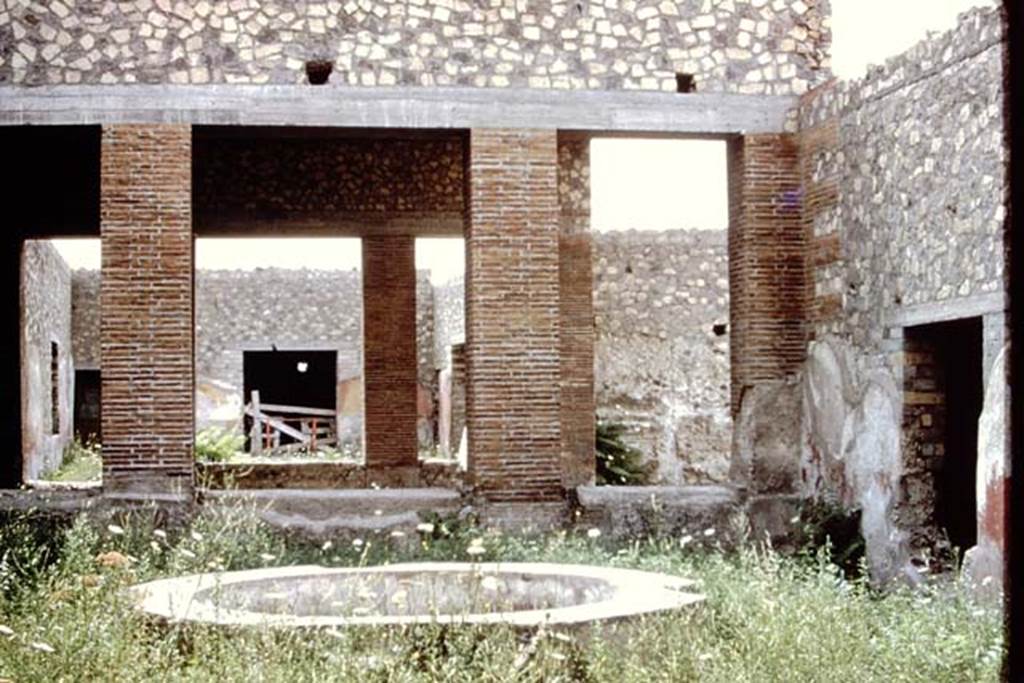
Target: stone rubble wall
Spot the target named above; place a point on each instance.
(46, 318)
(749, 46)
(660, 366)
(324, 180)
(903, 175)
(918, 167)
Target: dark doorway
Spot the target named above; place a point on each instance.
(87, 406)
(305, 379)
(952, 354)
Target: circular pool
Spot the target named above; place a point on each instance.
(518, 594)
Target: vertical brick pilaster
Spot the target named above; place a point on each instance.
(146, 297)
(576, 312)
(512, 316)
(389, 350)
(767, 267)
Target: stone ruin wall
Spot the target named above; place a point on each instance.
(46, 318)
(748, 46)
(904, 178)
(660, 366)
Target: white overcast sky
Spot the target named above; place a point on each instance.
(642, 184)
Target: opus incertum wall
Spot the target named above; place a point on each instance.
(755, 46)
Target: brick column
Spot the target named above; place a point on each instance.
(146, 297)
(512, 316)
(389, 351)
(576, 312)
(766, 261)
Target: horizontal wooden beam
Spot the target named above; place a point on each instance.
(698, 114)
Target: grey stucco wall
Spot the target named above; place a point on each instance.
(46, 319)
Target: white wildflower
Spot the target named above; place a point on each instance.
(425, 528)
(709, 532)
(397, 534)
(185, 552)
(593, 533)
(378, 513)
(6, 631)
(115, 529)
(357, 542)
(326, 546)
(685, 540)
(476, 550)
(196, 536)
(42, 647)
(160, 533)
(267, 557)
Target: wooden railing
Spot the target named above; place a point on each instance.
(310, 429)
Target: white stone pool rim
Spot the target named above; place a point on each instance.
(634, 593)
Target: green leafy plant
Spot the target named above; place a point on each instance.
(214, 444)
(618, 463)
(827, 525)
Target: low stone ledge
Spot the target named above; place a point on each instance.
(636, 511)
(324, 475)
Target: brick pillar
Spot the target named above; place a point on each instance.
(766, 261)
(512, 316)
(576, 312)
(389, 351)
(146, 297)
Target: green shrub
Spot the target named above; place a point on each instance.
(619, 464)
(214, 444)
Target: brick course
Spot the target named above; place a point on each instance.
(512, 315)
(389, 339)
(766, 261)
(576, 313)
(146, 295)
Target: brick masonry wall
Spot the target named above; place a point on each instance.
(760, 46)
(389, 337)
(512, 316)
(146, 295)
(766, 261)
(45, 319)
(576, 312)
(307, 183)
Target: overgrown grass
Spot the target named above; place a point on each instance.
(766, 618)
(81, 462)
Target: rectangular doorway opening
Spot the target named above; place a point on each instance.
(944, 396)
(87, 406)
(296, 392)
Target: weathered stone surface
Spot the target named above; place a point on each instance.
(850, 450)
(766, 440)
(660, 366)
(698, 514)
(45, 327)
(984, 563)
